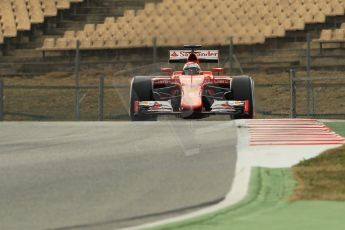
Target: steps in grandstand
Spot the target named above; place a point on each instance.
(74, 19)
(275, 55)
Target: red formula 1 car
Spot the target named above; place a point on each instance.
(192, 93)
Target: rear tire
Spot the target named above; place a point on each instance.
(141, 90)
(242, 89)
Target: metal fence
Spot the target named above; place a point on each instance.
(299, 96)
(58, 102)
(324, 96)
(109, 100)
(106, 97)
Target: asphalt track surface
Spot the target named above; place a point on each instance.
(111, 175)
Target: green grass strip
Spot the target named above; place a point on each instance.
(267, 207)
(268, 192)
(338, 127)
(323, 177)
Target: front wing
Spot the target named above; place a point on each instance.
(217, 108)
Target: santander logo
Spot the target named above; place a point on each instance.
(183, 54)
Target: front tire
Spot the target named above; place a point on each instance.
(141, 90)
(242, 89)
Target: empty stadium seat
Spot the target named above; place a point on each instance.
(49, 8)
(19, 15)
(332, 36)
(69, 34)
(1, 37)
(210, 22)
(326, 35)
(7, 19)
(85, 43)
(338, 35)
(109, 44)
(48, 44)
(89, 29)
(109, 20)
(35, 11)
(63, 4)
(71, 43)
(61, 44)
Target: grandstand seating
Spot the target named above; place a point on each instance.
(210, 22)
(20, 15)
(332, 36)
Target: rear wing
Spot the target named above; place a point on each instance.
(203, 56)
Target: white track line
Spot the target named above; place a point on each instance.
(237, 192)
(283, 154)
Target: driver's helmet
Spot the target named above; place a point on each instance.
(191, 68)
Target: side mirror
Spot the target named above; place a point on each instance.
(217, 70)
(166, 70)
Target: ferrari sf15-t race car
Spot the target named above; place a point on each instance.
(191, 93)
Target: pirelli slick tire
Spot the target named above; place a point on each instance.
(141, 90)
(242, 89)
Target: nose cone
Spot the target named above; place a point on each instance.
(191, 99)
(191, 93)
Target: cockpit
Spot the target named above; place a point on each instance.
(191, 68)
